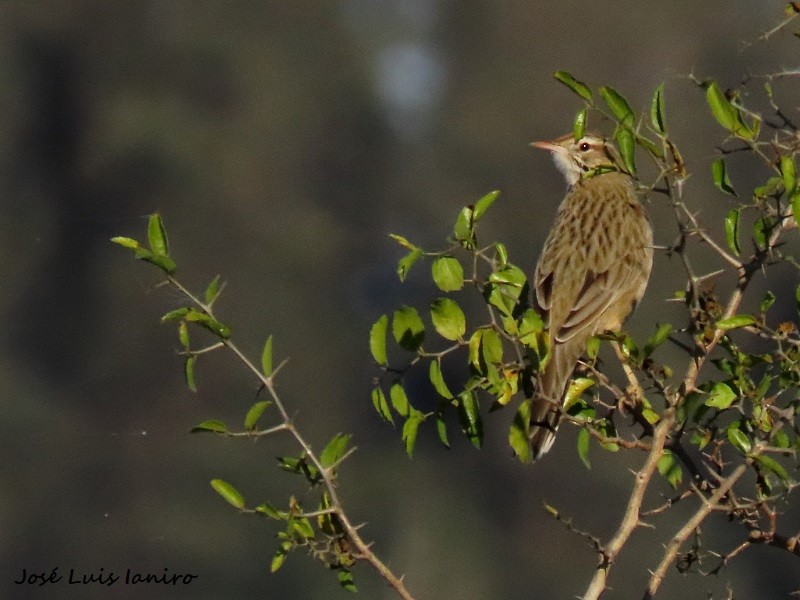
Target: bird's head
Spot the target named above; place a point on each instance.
(583, 157)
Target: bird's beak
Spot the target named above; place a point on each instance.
(549, 146)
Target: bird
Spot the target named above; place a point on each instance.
(593, 269)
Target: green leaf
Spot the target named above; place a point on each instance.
(380, 404)
(583, 447)
(627, 148)
(410, 428)
(501, 254)
(576, 86)
(402, 241)
(721, 396)
(126, 242)
(157, 235)
(767, 302)
(441, 429)
(228, 492)
(471, 421)
(738, 438)
(520, 431)
(659, 337)
(208, 323)
(266, 358)
(576, 387)
(491, 347)
(464, 227)
(448, 319)
(669, 468)
(377, 340)
(399, 399)
(448, 274)
(334, 450)
(345, 578)
(407, 328)
(618, 105)
(280, 556)
(726, 113)
(736, 321)
(302, 527)
(774, 466)
(188, 371)
(165, 263)
(483, 204)
(719, 172)
(212, 291)
(270, 511)
(732, 230)
(657, 111)
(176, 314)
(437, 379)
(789, 174)
(795, 200)
(579, 125)
(475, 346)
(183, 335)
(254, 414)
(211, 425)
(404, 264)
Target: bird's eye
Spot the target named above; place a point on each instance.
(584, 146)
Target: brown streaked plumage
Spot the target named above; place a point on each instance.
(593, 268)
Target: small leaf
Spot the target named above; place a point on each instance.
(491, 347)
(738, 438)
(228, 492)
(212, 291)
(399, 399)
(437, 379)
(774, 466)
(126, 242)
(519, 433)
(279, 557)
(165, 263)
(657, 112)
(441, 429)
(404, 264)
(719, 172)
(726, 113)
(188, 371)
(789, 174)
(732, 230)
(183, 335)
(721, 396)
(669, 468)
(583, 447)
(380, 404)
(266, 358)
(211, 425)
(618, 105)
(627, 149)
(410, 428)
(483, 204)
(767, 302)
(448, 274)
(576, 86)
(254, 414)
(576, 387)
(208, 323)
(402, 241)
(448, 319)
(157, 235)
(795, 200)
(736, 321)
(273, 513)
(407, 328)
(334, 450)
(377, 340)
(501, 254)
(176, 314)
(579, 126)
(463, 229)
(345, 578)
(470, 417)
(659, 337)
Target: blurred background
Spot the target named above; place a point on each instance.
(282, 142)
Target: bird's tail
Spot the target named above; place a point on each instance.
(546, 405)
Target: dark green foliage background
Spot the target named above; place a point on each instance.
(263, 134)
